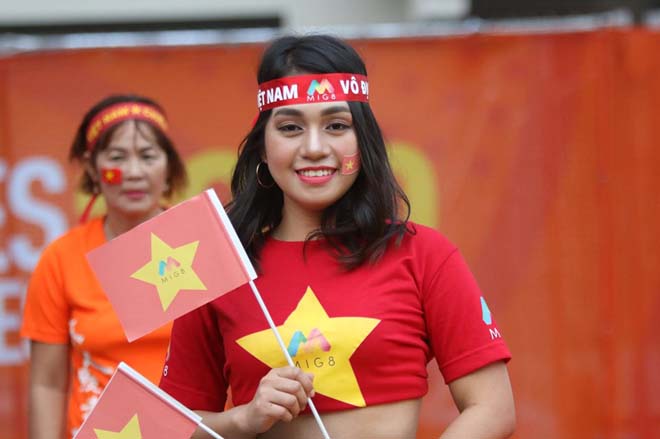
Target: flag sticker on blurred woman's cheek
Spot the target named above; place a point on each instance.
(111, 175)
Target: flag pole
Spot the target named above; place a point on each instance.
(289, 360)
(209, 431)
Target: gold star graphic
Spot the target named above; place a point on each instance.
(170, 270)
(349, 165)
(130, 431)
(318, 344)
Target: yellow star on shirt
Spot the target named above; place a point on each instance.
(130, 431)
(318, 344)
(170, 270)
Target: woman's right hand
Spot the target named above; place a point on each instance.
(282, 394)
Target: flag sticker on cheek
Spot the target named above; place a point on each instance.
(111, 175)
(350, 164)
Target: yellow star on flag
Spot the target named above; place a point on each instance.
(130, 431)
(349, 165)
(170, 270)
(318, 344)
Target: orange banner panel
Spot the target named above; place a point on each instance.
(536, 154)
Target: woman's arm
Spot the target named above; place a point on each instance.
(282, 394)
(485, 401)
(49, 372)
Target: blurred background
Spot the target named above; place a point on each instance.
(525, 130)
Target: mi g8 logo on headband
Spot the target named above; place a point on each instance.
(320, 91)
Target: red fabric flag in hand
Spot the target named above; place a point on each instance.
(171, 264)
(131, 407)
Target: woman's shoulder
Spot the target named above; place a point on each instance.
(81, 237)
(421, 248)
(425, 237)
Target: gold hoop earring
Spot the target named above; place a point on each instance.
(259, 182)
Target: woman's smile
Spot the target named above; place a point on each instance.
(316, 175)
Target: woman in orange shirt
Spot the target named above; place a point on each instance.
(76, 338)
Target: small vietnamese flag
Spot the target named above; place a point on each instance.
(350, 164)
(111, 175)
(171, 264)
(131, 407)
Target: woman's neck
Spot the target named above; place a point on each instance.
(296, 224)
(116, 223)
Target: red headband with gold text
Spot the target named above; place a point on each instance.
(308, 89)
(120, 112)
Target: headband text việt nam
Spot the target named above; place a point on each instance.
(312, 88)
(120, 112)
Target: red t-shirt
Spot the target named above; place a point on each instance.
(366, 335)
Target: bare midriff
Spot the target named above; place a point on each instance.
(395, 420)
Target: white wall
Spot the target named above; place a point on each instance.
(294, 13)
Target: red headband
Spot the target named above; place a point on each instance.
(307, 89)
(118, 113)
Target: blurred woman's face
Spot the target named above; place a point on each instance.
(306, 146)
(133, 149)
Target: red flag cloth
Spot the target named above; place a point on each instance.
(131, 407)
(171, 264)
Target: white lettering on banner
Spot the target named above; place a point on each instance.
(270, 95)
(354, 86)
(291, 92)
(26, 208)
(345, 86)
(322, 97)
(277, 94)
(10, 322)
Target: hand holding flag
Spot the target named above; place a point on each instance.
(168, 266)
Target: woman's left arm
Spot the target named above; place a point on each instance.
(485, 401)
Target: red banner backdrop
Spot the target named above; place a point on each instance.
(536, 154)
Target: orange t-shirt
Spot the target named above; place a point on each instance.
(66, 305)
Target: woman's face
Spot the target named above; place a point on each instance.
(143, 165)
(305, 146)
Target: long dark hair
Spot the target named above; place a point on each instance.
(176, 171)
(360, 224)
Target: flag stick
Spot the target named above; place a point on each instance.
(289, 360)
(209, 431)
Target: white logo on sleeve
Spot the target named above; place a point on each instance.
(488, 320)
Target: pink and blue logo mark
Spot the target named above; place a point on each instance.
(169, 266)
(320, 87)
(314, 340)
